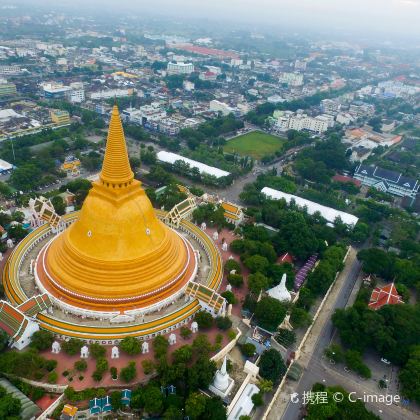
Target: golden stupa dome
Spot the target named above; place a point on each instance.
(118, 253)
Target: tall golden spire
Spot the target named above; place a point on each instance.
(116, 168)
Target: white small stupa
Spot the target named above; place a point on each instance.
(222, 382)
(280, 291)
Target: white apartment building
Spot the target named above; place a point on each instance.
(217, 106)
(361, 109)
(76, 96)
(288, 120)
(300, 65)
(344, 118)
(292, 79)
(188, 86)
(301, 122)
(180, 68)
(111, 93)
(329, 106)
(10, 70)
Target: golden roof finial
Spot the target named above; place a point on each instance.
(116, 166)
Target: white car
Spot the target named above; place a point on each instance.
(387, 362)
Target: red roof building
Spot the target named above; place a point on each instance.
(285, 258)
(386, 295)
(343, 178)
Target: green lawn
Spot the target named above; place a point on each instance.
(255, 144)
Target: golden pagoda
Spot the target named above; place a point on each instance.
(117, 255)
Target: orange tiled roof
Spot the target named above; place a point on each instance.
(35, 304)
(11, 320)
(386, 295)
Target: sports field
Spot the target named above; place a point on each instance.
(255, 144)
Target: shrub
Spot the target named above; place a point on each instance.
(160, 346)
(81, 377)
(223, 323)
(257, 399)
(148, 367)
(38, 375)
(114, 372)
(37, 393)
(97, 376)
(248, 349)
(80, 365)
(231, 335)
(204, 320)
(97, 351)
(229, 296)
(72, 347)
(285, 337)
(66, 373)
(52, 377)
(42, 340)
(236, 280)
(50, 365)
(185, 332)
(101, 365)
(129, 372)
(232, 265)
(130, 345)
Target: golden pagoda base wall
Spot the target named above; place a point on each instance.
(110, 334)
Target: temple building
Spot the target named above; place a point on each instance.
(117, 259)
(117, 255)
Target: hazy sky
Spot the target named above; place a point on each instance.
(393, 17)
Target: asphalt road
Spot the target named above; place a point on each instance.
(318, 369)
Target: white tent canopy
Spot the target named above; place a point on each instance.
(171, 158)
(327, 213)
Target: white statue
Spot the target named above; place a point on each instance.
(172, 339)
(194, 327)
(115, 353)
(9, 243)
(229, 310)
(145, 347)
(31, 266)
(228, 287)
(1, 256)
(56, 347)
(84, 352)
(203, 226)
(215, 235)
(224, 246)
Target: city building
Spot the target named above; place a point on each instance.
(55, 90)
(7, 89)
(300, 65)
(59, 116)
(208, 76)
(179, 68)
(111, 93)
(330, 106)
(387, 181)
(291, 79)
(360, 109)
(188, 86)
(218, 106)
(10, 70)
(317, 124)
